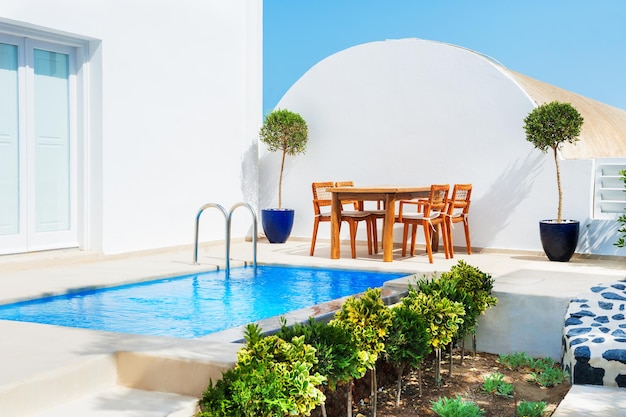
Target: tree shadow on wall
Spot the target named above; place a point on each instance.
(493, 210)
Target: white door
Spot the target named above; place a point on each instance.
(37, 146)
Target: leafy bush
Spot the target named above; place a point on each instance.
(337, 356)
(548, 377)
(516, 360)
(366, 319)
(447, 286)
(477, 284)
(494, 384)
(546, 372)
(456, 407)
(406, 343)
(531, 409)
(442, 315)
(272, 377)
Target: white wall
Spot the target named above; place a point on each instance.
(174, 97)
(415, 112)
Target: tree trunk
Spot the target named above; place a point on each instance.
(399, 388)
(280, 181)
(559, 217)
(349, 410)
(374, 391)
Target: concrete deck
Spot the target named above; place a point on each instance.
(45, 367)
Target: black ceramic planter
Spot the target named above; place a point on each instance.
(559, 240)
(277, 224)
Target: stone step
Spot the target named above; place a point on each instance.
(592, 401)
(119, 401)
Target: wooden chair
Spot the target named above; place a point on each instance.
(431, 215)
(323, 198)
(374, 215)
(458, 212)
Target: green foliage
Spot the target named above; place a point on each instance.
(546, 372)
(516, 360)
(287, 132)
(337, 355)
(447, 286)
(272, 377)
(442, 315)
(531, 409)
(552, 124)
(407, 341)
(284, 131)
(477, 284)
(456, 407)
(495, 384)
(366, 319)
(548, 377)
(621, 242)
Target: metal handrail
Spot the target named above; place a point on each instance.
(227, 217)
(254, 232)
(204, 207)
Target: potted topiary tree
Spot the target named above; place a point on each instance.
(287, 132)
(548, 127)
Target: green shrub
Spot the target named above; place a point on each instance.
(366, 319)
(442, 315)
(621, 241)
(494, 384)
(456, 407)
(406, 343)
(531, 409)
(272, 377)
(546, 372)
(337, 356)
(516, 360)
(548, 377)
(477, 284)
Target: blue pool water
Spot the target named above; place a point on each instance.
(197, 305)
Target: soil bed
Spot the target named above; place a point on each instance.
(466, 380)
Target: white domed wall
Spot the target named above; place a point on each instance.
(416, 112)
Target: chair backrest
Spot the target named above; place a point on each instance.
(358, 205)
(321, 196)
(459, 203)
(437, 200)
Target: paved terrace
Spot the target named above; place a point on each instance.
(55, 371)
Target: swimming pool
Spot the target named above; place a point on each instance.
(193, 306)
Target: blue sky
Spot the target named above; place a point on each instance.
(578, 45)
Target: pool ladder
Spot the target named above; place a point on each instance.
(227, 217)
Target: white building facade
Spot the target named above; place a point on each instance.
(120, 119)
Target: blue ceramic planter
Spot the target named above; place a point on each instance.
(277, 224)
(559, 240)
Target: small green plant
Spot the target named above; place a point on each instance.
(456, 407)
(531, 409)
(541, 364)
(516, 360)
(621, 242)
(548, 377)
(494, 384)
(545, 373)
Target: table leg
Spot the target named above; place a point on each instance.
(390, 219)
(335, 219)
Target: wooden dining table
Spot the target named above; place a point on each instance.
(388, 194)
